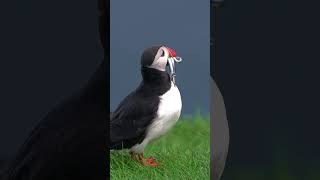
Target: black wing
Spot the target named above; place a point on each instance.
(130, 120)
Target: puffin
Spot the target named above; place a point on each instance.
(152, 109)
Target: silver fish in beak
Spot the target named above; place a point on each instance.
(171, 62)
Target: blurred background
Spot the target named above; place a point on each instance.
(48, 51)
(183, 25)
(266, 66)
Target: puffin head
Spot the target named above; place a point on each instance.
(159, 57)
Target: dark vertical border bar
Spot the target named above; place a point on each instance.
(104, 12)
(219, 127)
(212, 60)
(215, 7)
(64, 150)
(104, 30)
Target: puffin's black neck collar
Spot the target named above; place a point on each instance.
(154, 82)
(154, 76)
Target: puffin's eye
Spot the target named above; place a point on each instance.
(162, 55)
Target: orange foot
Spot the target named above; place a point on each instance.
(144, 161)
(151, 161)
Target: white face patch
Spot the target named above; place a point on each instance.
(160, 60)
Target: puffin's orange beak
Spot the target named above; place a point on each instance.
(172, 52)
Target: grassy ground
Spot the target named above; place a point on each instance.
(183, 153)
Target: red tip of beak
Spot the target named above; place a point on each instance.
(172, 52)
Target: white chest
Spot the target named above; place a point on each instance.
(167, 115)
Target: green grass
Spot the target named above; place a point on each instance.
(183, 153)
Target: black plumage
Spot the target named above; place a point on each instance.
(148, 55)
(135, 113)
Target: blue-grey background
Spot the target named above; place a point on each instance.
(48, 51)
(183, 25)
